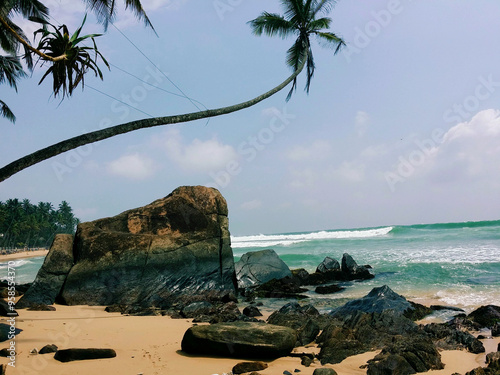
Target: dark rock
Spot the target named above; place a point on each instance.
(239, 340)
(486, 316)
(361, 332)
(256, 268)
(6, 352)
(324, 371)
(286, 287)
(305, 361)
(51, 276)
(379, 300)
(406, 355)
(40, 307)
(6, 309)
(447, 336)
(440, 307)
(49, 348)
(328, 264)
(301, 276)
(3, 368)
(294, 316)
(243, 367)
(417, 311)
(328, 289)
(6, 331)
(308, 332)
(197, 308)
(354, 272)
(493, 361)
(251, 311)
(286, 372)
(175, 246)
(68, 355)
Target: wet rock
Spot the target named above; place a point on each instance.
(324, 371)
(243, 367)
(251, 311)
(328, 264)
(258, 267)
(286, 287)
(377, 301)
(353, 271)
(486, 316)
(51, 276)
(239, 340)
(49, 348)
(447, 336)
(329, 289)
(306, 361)
(197, 308)
(406, 355)
(69, 355)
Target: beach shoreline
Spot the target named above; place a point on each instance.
(152, 345)
(23, 255)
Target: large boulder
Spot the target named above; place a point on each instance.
(486, 316)
(352, 271)
(406, 355)
(52, 274)
(257, 267)
(239, 340)
(176, 245)
(378, 300)
(328, 264)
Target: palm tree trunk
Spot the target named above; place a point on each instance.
(29, 46)
(99, 135)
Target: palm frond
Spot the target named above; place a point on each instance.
(69, 73)
(11, 70)
(105, 10)
(295, 56)
(331, 40)
(6, 112)
(310, 69)
(320, 24)
(323, 6)
(294, 9)
(272, 24)
(137, 8)
(31, 8)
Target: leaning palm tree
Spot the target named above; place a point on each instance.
(300, 19)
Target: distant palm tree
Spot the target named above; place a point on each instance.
(300, 19)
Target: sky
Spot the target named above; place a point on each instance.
(401, 127)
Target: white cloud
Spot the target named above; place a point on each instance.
(133, 166)
(318, 150)
(251, 205)
(469, 150)
(362, 120)
(198, 156)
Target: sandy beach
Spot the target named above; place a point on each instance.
(151, 345)
(23, 255)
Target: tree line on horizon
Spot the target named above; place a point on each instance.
(26, 225)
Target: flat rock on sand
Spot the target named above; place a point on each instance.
(240, 340)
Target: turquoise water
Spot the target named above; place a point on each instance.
(453, 264)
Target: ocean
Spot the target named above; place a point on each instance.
(454, 264)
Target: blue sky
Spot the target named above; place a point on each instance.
(402, 127)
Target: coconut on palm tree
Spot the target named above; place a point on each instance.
(302, 18)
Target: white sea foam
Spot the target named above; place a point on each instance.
(15, 264)
(263, 240)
